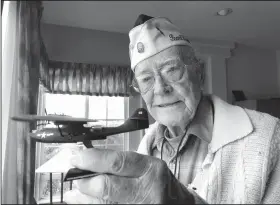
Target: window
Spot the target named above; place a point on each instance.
(91, 107)
(8, 48)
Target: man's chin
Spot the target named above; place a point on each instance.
(170, 117)
(172, 122)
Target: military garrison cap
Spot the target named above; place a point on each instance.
(151, 35)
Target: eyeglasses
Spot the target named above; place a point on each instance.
(146, 81)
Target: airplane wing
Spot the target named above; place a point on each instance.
(50, 118)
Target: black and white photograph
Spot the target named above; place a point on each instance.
(140, 102)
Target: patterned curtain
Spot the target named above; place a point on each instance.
(86, 79)
(19, 169)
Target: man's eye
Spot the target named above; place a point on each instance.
(172, 69)
(146, 79)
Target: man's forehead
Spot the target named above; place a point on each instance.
(151, 64)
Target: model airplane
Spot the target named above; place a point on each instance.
(73, 130)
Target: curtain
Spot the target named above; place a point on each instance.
(24, 61)
(2, 3)
(86, 79)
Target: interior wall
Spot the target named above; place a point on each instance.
(84, 45)
(278, 68)
(252, 70)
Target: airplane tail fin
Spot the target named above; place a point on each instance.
(139, 114)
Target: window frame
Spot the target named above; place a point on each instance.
(41, 178)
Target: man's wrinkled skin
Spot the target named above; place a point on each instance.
(129, 177)
(187, 90)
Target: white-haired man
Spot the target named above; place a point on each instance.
(199, 150)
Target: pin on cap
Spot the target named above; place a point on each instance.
(140, 47)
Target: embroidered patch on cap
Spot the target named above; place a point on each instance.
(140, 47)
(178, 38)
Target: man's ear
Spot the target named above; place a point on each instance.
(200, 71)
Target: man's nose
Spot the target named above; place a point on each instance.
(161, 87)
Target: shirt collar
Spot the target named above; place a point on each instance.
(230, 124)
(195, 128)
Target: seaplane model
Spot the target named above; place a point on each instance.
(73, 130)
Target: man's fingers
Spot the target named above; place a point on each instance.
(76, 197)
(128, 164)
(112, 188)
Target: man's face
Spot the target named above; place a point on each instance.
(171, 103)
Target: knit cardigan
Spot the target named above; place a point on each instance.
(242, 165)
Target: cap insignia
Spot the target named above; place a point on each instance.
(140, 47)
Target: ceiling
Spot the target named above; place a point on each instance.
(254, 23)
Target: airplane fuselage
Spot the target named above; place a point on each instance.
(74, 132)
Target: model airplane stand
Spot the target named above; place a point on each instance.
(55, 165)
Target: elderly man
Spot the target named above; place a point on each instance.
(200, 150)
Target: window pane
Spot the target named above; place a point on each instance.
(97, 107)
(115, 123)
(98, 142)
(115, 139)
(56, 188)
(49, 152)
(115, 147)
(72, 105)
(115, 108)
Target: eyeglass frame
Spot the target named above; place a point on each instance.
(136, 86)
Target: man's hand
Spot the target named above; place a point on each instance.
(127, 177)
